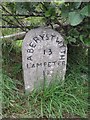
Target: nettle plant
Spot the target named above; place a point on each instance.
(72, 17)
(77, 16)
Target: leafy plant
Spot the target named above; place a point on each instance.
(59, 100)
(68, 15)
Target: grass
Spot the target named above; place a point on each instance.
(57, 101)
(68, 99)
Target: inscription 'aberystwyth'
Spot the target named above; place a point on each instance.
(43, 51)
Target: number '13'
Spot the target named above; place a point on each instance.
(49, 51)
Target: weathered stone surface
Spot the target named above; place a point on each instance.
(44, 54)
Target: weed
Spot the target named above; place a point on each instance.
(56, 101)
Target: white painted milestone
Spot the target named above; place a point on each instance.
(44, 54)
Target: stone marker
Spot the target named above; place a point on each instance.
(44, 54)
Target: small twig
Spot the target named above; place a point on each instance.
(29, 15)
(13, 26)
(17, 36)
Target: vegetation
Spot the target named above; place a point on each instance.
(68, 99)
(71, 17)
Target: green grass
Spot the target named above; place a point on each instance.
(57, 101)
(0, 93)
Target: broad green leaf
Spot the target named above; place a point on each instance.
(85, 10)
(81, 37)
(50, 12)
(75, 18)
(87, 42)
(47, 13)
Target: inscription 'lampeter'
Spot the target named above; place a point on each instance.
(46, 64)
